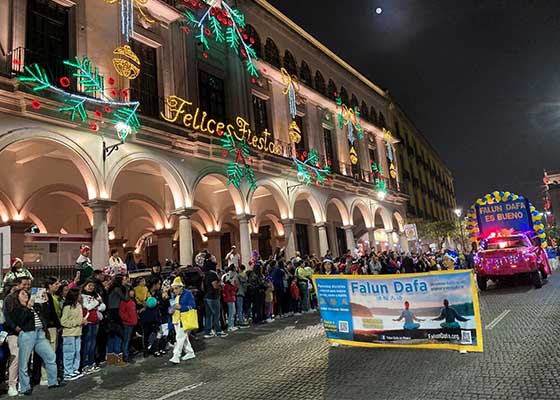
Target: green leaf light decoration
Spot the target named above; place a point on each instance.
(310, 169)
(223, 24)
(239, 169)
(124, 114)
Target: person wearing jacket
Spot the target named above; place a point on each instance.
(118, 291)
(150, 319)
(72, 321)
(10, 302)
(32, 337)
(240, 300)
(92, 308)
(17, 271)
(182, 302)
(83, 265)
(229, 295)
(129, 318)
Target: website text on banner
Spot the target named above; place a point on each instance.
(433, 310)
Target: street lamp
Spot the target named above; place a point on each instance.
(458, 212)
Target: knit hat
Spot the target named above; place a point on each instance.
(177, 282)
(83, 249)
(15, 261)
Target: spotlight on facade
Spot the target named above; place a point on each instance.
(458, 212)
(123, 130)
(111, 235)
(381, 195)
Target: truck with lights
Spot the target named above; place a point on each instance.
(508, 233)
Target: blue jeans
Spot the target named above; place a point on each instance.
(127, 332)
(71, 350)
(231, 314)
(28, 342)
(114, 345)
(239, 305)
(89, 337)
(212, 315)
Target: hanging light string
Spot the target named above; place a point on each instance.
(290, 90)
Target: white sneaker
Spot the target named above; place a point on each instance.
(209, 335)
(188, 357)
(233, 329)
(269, 320)
(12, 391)
(44, 383)
(298, 314)
(175, 360)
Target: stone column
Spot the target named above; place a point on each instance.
(371, 238)
(244, 237)
(185, 234)
(290, 235)
(323, 239)
(390, 239)
(350, 241)
(334, 239)
(165, 244)
(17, 238)
(214, 245)
(404, 243)
(100, 231)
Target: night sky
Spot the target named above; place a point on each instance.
(480, 78)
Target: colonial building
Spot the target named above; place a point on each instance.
(174, 187)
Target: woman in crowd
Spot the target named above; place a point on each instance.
(129, 318)
(117, 293)
(93, 308)
(182, 302)
(32, 337)
(72, 321)
(130, 262)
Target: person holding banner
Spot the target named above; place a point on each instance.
(450, 315)
(409, 318)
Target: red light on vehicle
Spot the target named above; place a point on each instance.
(502, 245)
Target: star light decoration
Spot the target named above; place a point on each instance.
(239, 169)
(92, 84)
(310, 169)
(223, 24)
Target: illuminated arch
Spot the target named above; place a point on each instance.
(90, 174)
(158, 216)
(316, 207)
(361, 206)
(277, 193)
(342, 209)
(385, 217)
(400, 221)
(219, 173)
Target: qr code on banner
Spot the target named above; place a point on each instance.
(466, 337)
(343, 326)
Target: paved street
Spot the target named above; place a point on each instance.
(290, 359)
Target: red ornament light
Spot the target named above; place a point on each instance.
(207, 32)
(253, 80)
(36, 104)
(98, 114)
(213, 12)
(329, 163)
(16, 62)
(94, 127)
(200, 4)
(64, 82)
(252, 41)
(264, 70)
(114, 93)
(224, 153)
(304, 154)
(186, 29)
(230, 22)
(111, 80)
(205, 55)
(297, 154)
(107, 109)
(245, 36)
(243, 53)
(124, 92)
(193, 3)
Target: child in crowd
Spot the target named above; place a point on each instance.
(141, 291)
(151, 320)
(129, 317)
(72, 321)
(93, 306)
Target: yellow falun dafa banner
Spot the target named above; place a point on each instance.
(435, 310)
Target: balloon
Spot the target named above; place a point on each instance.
(151, 302)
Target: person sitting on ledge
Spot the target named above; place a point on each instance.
(450, 315)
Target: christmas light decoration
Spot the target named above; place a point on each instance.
(91, 82)
(295, 132)
(223, 24)
(349, 117)
(127, 63)
(292, 91)
(353, 155)
(378, 181)
(127, 15)
(310, 169)
(390, 152)
(239, 169)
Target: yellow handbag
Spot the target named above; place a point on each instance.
(189, 320)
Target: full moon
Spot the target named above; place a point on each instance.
(378, 10)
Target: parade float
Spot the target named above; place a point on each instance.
(508, 232)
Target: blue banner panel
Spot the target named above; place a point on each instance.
(514, 214)
(431, 310)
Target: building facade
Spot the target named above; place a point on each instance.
(167, 192)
